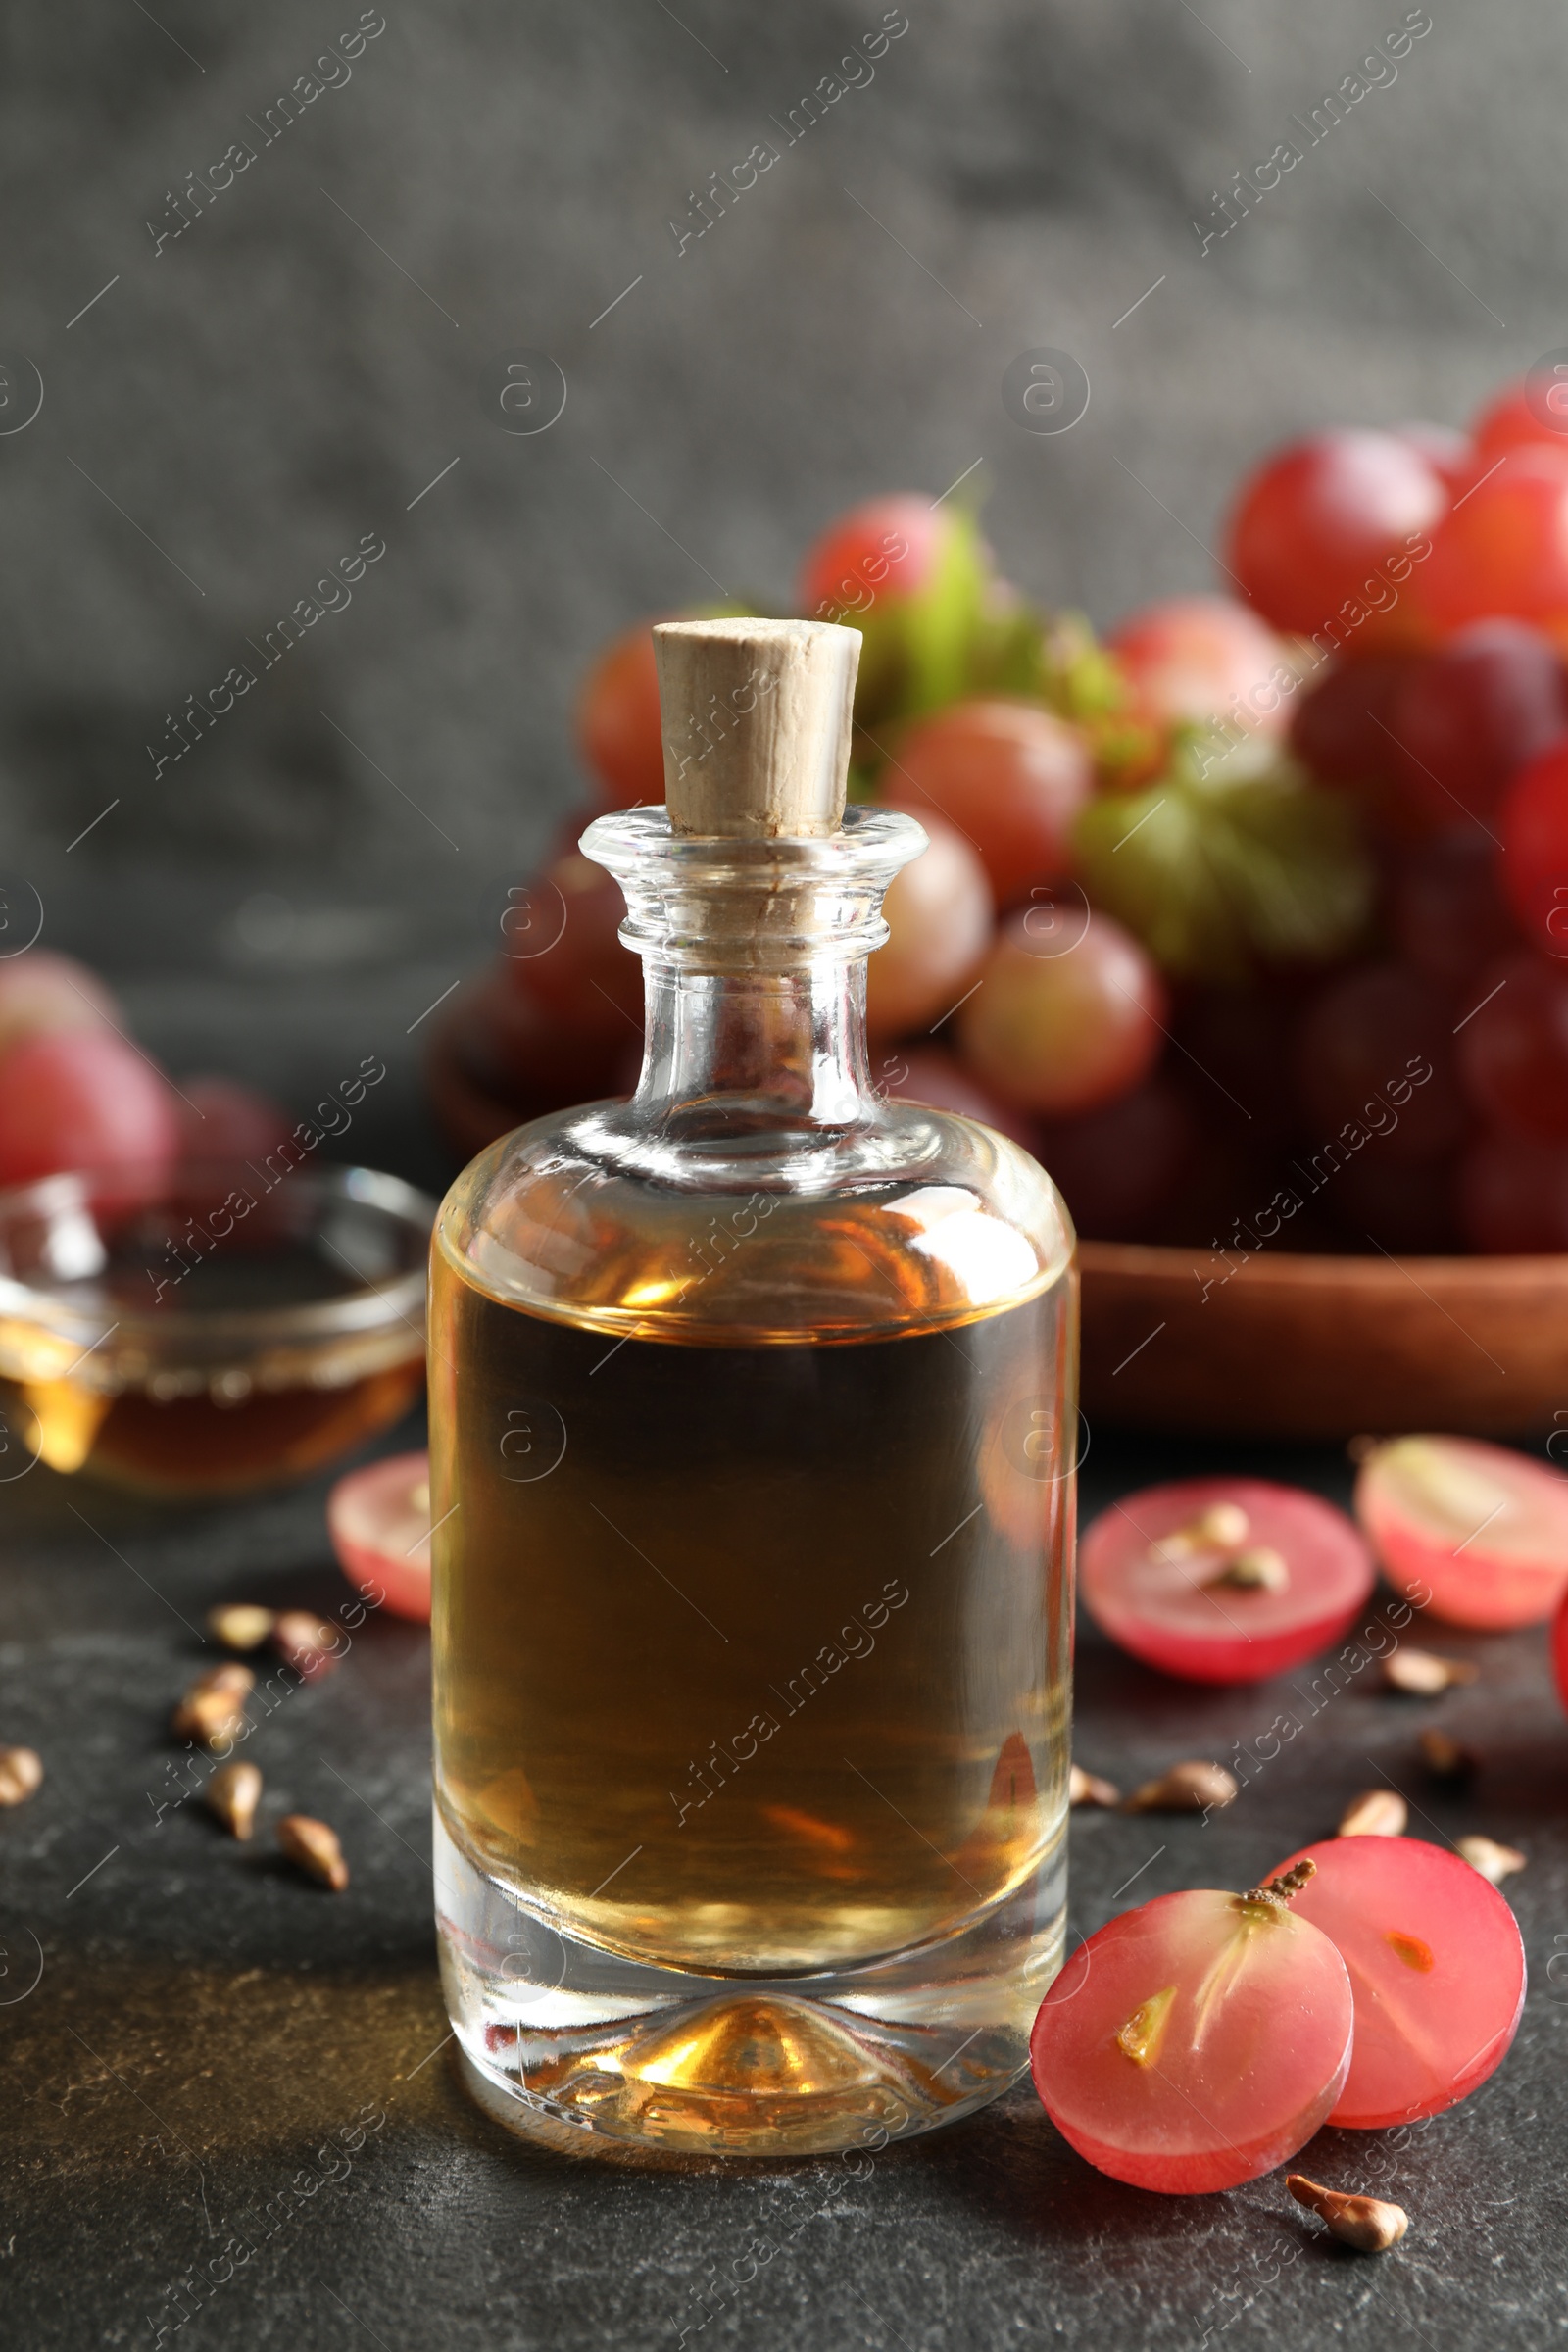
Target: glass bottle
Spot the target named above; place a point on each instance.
(753, 1434)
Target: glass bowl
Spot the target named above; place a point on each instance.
(209, 1328)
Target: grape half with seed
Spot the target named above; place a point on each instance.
(1195, 2043)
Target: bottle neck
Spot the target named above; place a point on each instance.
(755, 953)
(732, 1053)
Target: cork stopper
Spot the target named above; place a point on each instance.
(756, 717)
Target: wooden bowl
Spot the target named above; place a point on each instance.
(1297, 1346)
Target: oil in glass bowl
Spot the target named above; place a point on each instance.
(208, 1331)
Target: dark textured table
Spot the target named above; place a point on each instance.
(230, 2111)
(228, 2099)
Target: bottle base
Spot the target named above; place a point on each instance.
(553, 2030)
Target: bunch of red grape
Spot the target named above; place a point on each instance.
(76, 1091)
(1261, 904)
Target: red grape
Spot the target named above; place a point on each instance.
(1409, 1213)
(1503, 549)
(379, 1522)
(1148, 1569)
(1476, 1533)
(1227, 1181)
(1195, 658)
(1064, 1032)
(39, 989)
(1509, 423)
(1451, 455)
(1010, 775)
(617, 721)
(1235, 1059)
(1513, 1047)
(1315, 521)
(512, 1045)
(1361, 1052)
(618, 713)
(580, 973)
(940, 917)
(219, 1119)
(1117, 1167)
(1513, 1195)
(1559, 1649)
(928, 1074)
(1341, 722)
(1437, 1973)
(883, 552)
(1534, 867)
(915, 579)
(1446, 910)
(83, 1098)
(1470, 718)
(1195, 2043)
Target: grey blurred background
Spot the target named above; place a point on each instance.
(317, 357)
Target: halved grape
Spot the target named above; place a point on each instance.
(1436, 1966)
(939, 917)
(83, 1098)
(1195, 2043)
(1476, 1533)
(379, 1522)
(1176, 1575)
